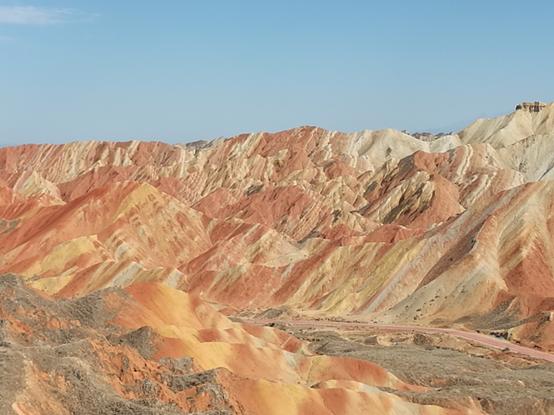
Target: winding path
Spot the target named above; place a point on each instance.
(472, 336)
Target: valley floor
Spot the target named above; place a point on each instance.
(458, 366)
(471, 336)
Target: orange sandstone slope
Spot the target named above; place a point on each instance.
(445, 230)
(152, 349)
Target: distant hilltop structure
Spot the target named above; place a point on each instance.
(531, 106)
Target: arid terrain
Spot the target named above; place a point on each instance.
(300, 272)
(458, 372)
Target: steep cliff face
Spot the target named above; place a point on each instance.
(455, 230)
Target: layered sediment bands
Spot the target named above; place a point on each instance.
(446, 230)
(151, 349)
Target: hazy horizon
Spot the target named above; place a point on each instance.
(185, 140)
(179, 72)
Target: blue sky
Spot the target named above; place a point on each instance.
(182, 70)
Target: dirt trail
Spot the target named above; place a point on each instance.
(472, 336)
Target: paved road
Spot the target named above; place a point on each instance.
(472, 336)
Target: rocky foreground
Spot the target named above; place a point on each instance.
(151, 349)
(125, 258)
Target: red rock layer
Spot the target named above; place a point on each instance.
(378, 224)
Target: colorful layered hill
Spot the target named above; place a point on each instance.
(152, 349)
(451, 230)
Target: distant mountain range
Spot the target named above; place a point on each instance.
(452, 230)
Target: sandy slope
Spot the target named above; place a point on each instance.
(151, 349)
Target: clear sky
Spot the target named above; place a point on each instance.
(184, 70)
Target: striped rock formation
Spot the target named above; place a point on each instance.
(152, 349)
(453, 230)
